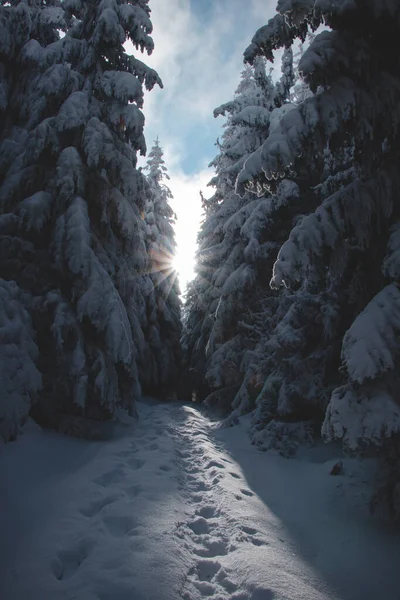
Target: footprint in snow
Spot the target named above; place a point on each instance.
(183, 454)
(205, 588)
(215, 463)
(261, 594)
(136, 463)
(226, 583)
(197, 498)
(208, 512)
(207, 569)
(212, 549)
(199, 526)
(94, 507)
(247, 493)
(202, 487)
(119, 525)
(235, 475)
(210, 579)
(215, 473)
(165, 468)
(68, 561)
(194, 469)
(249, 530)
(216, 479)
(110, 477)
(257, 542)
(250, 536)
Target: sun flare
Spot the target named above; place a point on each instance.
(183, 263)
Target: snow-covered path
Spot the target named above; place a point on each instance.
(178, 509)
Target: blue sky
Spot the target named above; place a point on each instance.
(198, 53)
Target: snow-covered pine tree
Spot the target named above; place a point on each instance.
(163, 331)
(348, 246)
(233, 246)
(295, 360)
(20, 380)
(279, 374)
(70, 196)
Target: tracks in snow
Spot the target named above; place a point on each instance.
(111, 536)
(163, 512)
(209, 533)
(167, 500)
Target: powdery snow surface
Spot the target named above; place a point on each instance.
(174, 507)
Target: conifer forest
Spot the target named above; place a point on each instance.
(290, 328)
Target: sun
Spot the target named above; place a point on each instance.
(183, 263)
(186, 230)
(167, 266)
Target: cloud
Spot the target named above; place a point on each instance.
(198, 53)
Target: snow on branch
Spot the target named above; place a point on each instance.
(228, 107)
(268, 38)
(97, 142)
(127, 215)
(328, 54)
(295, 10)
(361, 419)
(252, 115)
(137, 23)
(70, 174)
(349, 211)
(100, 300)
(144, 73)
(123, 86)
(305, 128)
(74, 112)
(52, 16)
(35, 210)
(241, 279)
(293, 20)
(107, 27)
(133, 17)
(370, 346)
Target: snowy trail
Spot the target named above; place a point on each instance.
(177, 509)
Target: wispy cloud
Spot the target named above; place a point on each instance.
(199, 55)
